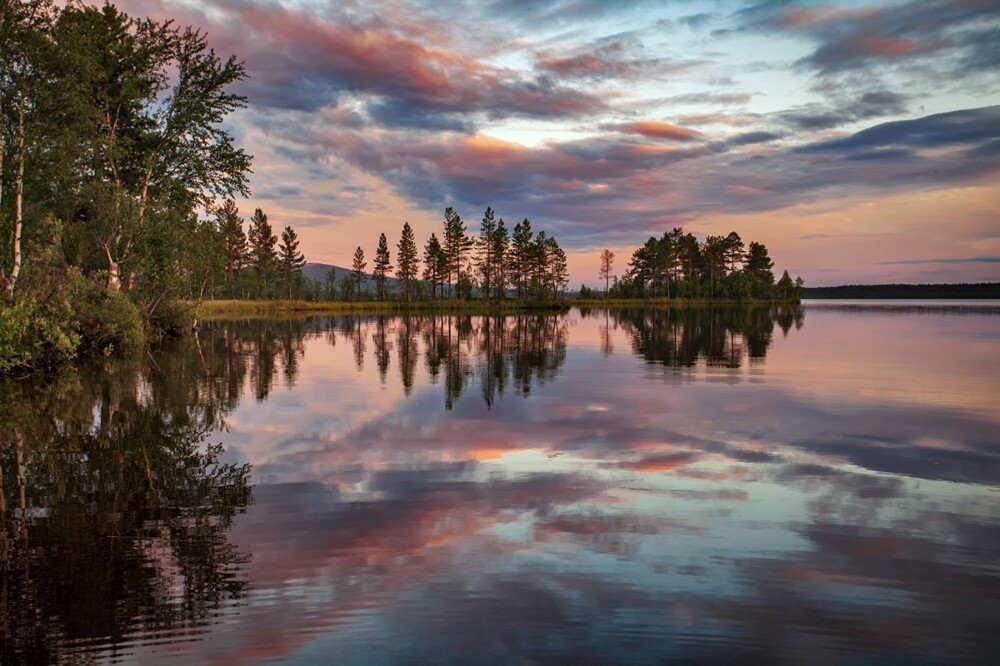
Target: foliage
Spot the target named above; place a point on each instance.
(111, 139)
(79, 316)
(32, 337)
(173, 318)
(107, 320)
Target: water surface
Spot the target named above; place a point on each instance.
(637, 486)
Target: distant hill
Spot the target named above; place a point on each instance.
(317, 271)
(975, 290)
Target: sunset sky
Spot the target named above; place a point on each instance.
(859, 141)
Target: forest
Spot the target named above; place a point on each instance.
(111, 143)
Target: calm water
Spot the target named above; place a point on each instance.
(810, 486)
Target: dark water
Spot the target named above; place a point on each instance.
(798, 486)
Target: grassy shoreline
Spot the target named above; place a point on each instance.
(228, 308)
(218, 309)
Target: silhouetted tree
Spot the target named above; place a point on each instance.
(457, 244)
(522, 256)
(785, 287)
(382, 265)
(406, 258)
(607, 262)
(358, 271)
(290, 260)
(435, 264)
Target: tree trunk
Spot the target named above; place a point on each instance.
(143, 194)
(15, 268)
(114, 281)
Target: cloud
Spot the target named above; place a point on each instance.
(616, 58)
(837, 112)
(852, 38)
(717, 119)
(302, 60)
(748, 138)
(723, 99)
(645, 182)
(960, 260)
(558, 12)
(655, 129)
(936, 131)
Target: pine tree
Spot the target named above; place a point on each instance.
(713, 252)
(785, 287)
(553, 267)
(484, 252)
(607, 261)
(434, 264)
(406, 257)
(758, 271)
(382, 265)
(262, 249)
(234, 240)
(290, 260)
(501, 257)
(358, 271)
(522, 251)
(456, 245)
(331, 284)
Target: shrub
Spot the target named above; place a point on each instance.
(35, 336)
(172, 318)
(106, 321)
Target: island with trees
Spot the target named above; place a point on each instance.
(676, 268)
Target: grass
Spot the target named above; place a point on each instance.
(239, 308)
(219, 309)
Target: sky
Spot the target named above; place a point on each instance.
(859, 141)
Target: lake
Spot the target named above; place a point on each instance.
(811, 485)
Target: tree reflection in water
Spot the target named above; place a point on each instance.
(680, 339)
(115, 508)
(499, 353)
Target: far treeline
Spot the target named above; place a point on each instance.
(677, 266)
(962, 290)
(498, 264)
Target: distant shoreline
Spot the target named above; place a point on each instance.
(979, 290)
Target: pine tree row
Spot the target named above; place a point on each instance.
(495, 265)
